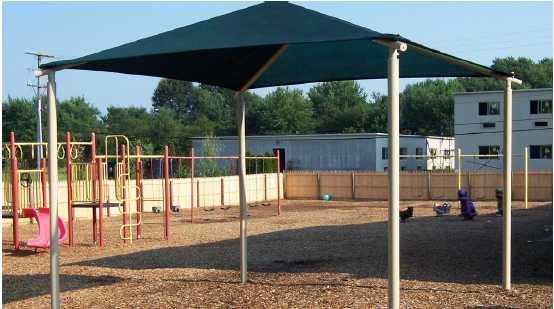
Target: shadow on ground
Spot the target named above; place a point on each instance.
(38, 285)
(441, 249)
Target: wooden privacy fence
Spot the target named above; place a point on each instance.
(480, 185)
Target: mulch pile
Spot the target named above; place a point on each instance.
(317, 254)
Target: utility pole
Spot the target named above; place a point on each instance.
(39, 120)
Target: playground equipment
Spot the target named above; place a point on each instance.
(405, 214)
(43, 220)
(467, 208)
(499, 193)
(441, 210)
(19, 189)
(471, 184)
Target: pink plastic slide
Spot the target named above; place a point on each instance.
(43, 219)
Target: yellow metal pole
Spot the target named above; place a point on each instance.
(459, 172)
(526, 176)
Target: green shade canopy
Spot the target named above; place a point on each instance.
(228, 50)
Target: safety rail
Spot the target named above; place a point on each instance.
(29, 190)
(83, 189)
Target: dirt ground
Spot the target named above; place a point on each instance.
(317, 254)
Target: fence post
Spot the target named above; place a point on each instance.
(318, 186)
(429, 186)
(222, 192)
(198, 193)
(353, 187)
(265, 187)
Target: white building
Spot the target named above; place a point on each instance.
(479, 127)
(343, 152)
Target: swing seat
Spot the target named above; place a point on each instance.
(268, 204)
(156, 208)
(255, 205)
(226, 208)
(175, 208)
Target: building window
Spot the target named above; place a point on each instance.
(488, 150)
(541, 123)
(419, 167)
(541, 107)
(541, 152)
(402, 168)
(433, 152)
(489, 108)
(419, 153)
(385, 153)
(487, 125)
(403, 152)
(386, 169)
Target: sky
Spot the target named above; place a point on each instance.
(476, 31)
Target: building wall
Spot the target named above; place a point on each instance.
(336, 152)
(470, 133)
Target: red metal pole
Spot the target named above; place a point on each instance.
(43, 173)
(192, 185)
(278, 184)
(100, 200)
(139, 208)
(166, 185)
(15, 197)
(123, 185)
(69, 206)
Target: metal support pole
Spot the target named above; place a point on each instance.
(242, 189)
(100, 201)
(507, 207)
(394, 180)
(278, 183)
(192, 186)
(53, 175)
(460, 173)
(139, 200)
(69, 197)
(15, 196)
(166, 186)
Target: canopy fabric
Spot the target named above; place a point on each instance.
(229, 49)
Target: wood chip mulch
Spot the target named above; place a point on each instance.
(317, 254)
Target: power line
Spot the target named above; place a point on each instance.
(490, 36)
(507, 47)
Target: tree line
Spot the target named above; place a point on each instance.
(182, 109)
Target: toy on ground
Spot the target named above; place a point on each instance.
(326, 197)
(43, 220)
(441, 210)
(405, 214)
(499, 193)
(467, 207)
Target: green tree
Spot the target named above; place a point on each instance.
(427, 108)
(133, 122)
(340, 106)
(78, 117)
(179, 96)
(534, 75)
(211, 147)
(19, 116)
(286, 111)
(164, 130)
